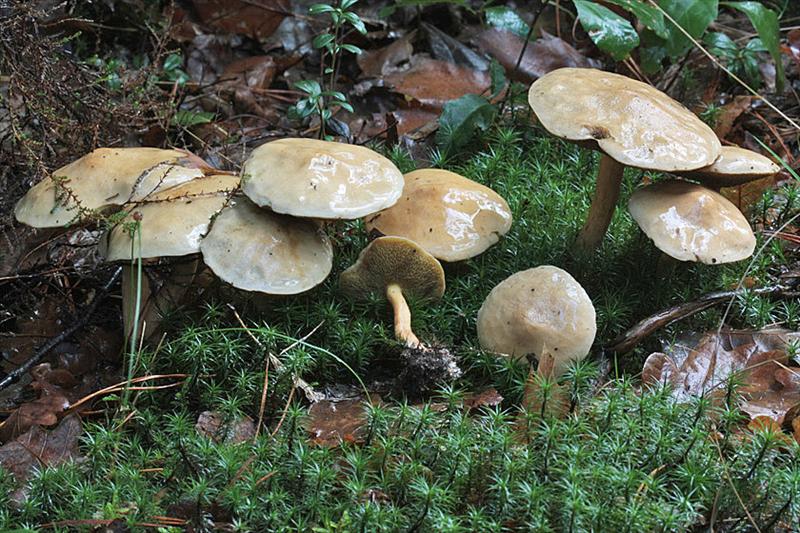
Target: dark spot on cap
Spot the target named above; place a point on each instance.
(713, 259)
(599, 132)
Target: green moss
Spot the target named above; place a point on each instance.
(621, 461)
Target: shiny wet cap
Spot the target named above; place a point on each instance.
(255, 249)
(691, 223)
(451, 217)
(103, 178)
(734, 166)
(631, 121)
(320, 179)
(171, 222)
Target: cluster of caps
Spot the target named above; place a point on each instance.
(264, 232)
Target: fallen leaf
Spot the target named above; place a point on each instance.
(386, 60)
(257, 19)
(769, 387)
(796, 428)
(433, 83)
(729, 113)
(332, 422)
(255, 72)
(213, 425)
(33, 330)
(487, 398)
(445, 48)
(38, 448)
(541, 56)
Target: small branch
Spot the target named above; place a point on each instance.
(643, 329)
(84, 316)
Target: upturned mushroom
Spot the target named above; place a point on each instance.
(629, 122)
(257, 250)
(103, 178)
(734, 166)
(395, 267)
(691, 223)
(451, 217)
(320, 179)
(540, 311)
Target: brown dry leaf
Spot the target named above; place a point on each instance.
(487, 398)
(39, 448)
(434, 83)
(749, 193)
(541, 56)
(386, 60)
(332, 422)
(32, 331)
(255, 72)
(212, 424)
(255, 19)
(770, 388)
(44, 411)
(730, 112)
(796, 428)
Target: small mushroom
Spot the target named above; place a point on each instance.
(538, 311)
(691, 223)
(103, 178)
(733, 167)
(630, 122)
(257, 250)
(320, 179)
(172, 222)
(395, 267)
(451, 217)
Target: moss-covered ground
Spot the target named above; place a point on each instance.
(620, 461)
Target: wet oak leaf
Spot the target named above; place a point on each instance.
(257, 19)
(541, 56)
(769, 387)
(332, 422)
(214, 425)
(38, 448)
(433, 83)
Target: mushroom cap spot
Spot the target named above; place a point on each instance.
(172, 221)
(631, 121)
(537, 308)
(734, 166)
(257, 250)
(320, 179)
(103, 178)
(691, 223)
(451, 217)
(393, 261)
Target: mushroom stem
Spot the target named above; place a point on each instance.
(130, 300)
(606, 194)
(402, 316)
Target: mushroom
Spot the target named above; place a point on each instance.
(320, 179)
(257, 250)
(733, 167)
(630, 122)
(395, 267)
(171, 223)
(451, 217)
(103, 178)
(541, 311)
(691, 223)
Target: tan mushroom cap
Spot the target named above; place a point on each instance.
(538, 309)
(320, 179)
(173, 221)
(103, 178)
(734, 166)
(257, 250)
(692, 223)
(632, 122)
(451, 217)
(394, 261)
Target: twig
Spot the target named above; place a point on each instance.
(83, 319)
(628, 340)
